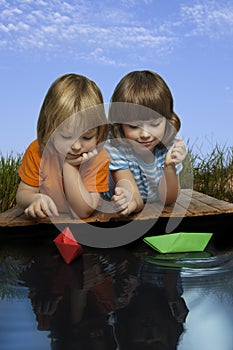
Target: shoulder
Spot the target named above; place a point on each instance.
(101, 160)
(30, 166)
(31, 158)
(116, 148)
(102, 155)
(33, 149)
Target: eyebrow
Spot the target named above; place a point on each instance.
(91, 131)
(140, 123)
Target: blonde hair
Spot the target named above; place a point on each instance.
(146, 89)
(69, 94)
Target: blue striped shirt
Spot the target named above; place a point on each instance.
(147, 176)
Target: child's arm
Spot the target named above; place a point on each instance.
(82, 202)
(169, 185)
(127, 198)
(35, 203)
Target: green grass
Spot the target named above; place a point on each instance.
(9, 180)
(211, 174)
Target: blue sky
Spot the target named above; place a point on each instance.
(189, 43)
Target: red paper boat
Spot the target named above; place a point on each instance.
(67, 245)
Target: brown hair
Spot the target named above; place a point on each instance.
(146, 89)
(69, 94)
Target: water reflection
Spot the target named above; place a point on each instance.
(154, 316)
(120, 298)
(210, 301)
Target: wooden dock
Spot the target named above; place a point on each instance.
(190, 204)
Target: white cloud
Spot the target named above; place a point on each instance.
(112, 28)
(11, 12)
(210, 18)
(4, 28)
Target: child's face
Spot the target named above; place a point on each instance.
(147, 134)
(71, 147)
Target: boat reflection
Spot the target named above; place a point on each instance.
(123, 298)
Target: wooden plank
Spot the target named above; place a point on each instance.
(175, 211)
(183, 203)
(16, 217)
(199, 207)
(181, 207)
(189, 203)
(10, 215)
(13, 212)
(223, 206)
(150, 211)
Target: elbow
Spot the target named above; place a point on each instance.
(137, 205)
(169, 198)
(19, 200)
(82, 205)
(140, 205)
(82, 213)
(170, 201)
(86, 214)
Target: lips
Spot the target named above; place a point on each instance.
(145, 144)
(72, 156)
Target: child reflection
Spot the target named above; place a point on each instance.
(106, 302)
(72, 301)
(154, 317)
(48, 278)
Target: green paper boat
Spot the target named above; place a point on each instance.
(179, 242)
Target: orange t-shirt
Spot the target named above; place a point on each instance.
(46, 173)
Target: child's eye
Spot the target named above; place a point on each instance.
(133, 126)
(90, 134)
(89, 137)
(66, 137)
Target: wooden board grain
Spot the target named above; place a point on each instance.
(189, 204)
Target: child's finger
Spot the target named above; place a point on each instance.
(84, 157)
(89, 155)
(179, 143)
(48, 207)
(124, 212)
(94, 152)
(51, 209)
(179, 139)
(55, 211)
(118, 191)
(35, 211)
(121, 203)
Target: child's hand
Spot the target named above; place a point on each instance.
(176, 154)
(121, 201)
(82, 158)
(41, 207)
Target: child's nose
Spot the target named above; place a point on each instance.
(144, 132)
(76, 146)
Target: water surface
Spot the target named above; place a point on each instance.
(121, 298)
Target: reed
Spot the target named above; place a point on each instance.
(9, 180)
(213, 174)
